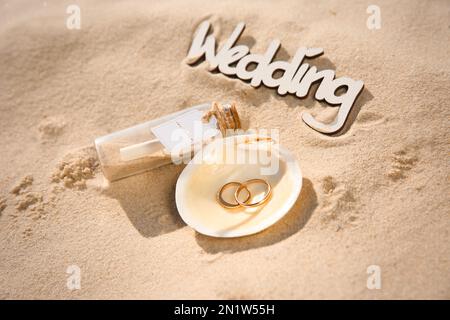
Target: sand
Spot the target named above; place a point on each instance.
(375, 194)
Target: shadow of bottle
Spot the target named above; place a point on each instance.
(149, 200)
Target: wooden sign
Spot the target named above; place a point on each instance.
(297, 77)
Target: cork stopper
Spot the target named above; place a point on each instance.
(226, 115)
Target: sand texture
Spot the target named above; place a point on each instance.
(377, 193)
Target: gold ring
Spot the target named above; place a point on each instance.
(244, 186)
(227, 204)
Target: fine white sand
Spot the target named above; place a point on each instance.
(377, 194)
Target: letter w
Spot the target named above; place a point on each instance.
(203, 45)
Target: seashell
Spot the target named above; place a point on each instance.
(237, 158)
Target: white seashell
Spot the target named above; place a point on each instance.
(213, 166)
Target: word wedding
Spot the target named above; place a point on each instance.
(297, 76)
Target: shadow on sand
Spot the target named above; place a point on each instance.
(149, 200)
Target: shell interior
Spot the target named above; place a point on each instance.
(219, 163)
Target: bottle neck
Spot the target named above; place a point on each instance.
(226, 115)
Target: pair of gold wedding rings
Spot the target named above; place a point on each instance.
(240, 187)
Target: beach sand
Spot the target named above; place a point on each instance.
(375, 194)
